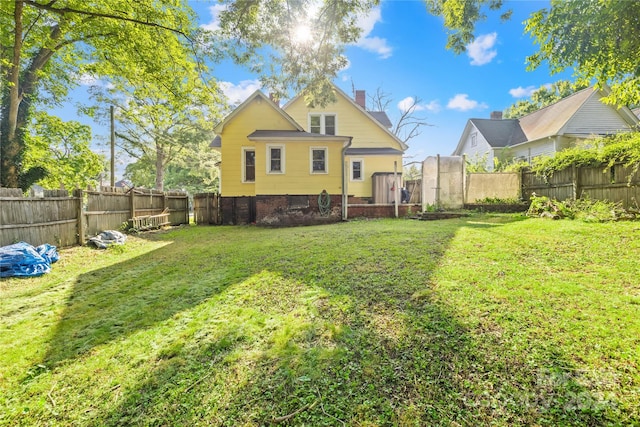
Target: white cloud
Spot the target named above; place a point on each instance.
(215, 11)
(372, 44)
(434, 106)
(481, 49)
(405, 105)
(461, 102)
(522, 92)
(238, 93)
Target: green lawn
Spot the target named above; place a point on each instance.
(490, 319)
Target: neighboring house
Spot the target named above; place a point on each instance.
(556, 127)
(278, 160)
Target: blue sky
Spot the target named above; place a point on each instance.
(402, 52)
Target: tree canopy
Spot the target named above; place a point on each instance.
(598, 39)
(45, 47)
(62, 150)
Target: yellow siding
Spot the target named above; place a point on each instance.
(371, 165)
(258, 115)
(350, 121)
(297, 177)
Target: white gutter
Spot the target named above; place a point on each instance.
(345, 195)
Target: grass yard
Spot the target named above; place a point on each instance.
(491, 319)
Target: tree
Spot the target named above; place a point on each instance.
(597, 38)
(46, 45)
(192, 170)
(305, 39)
(61, 149)
(543, 96)
(409, 123)
(159, 123)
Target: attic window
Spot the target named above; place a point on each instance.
(474, 139)
(322, 123)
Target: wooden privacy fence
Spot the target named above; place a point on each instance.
(61, 220)
(616, 184)
(206, 209)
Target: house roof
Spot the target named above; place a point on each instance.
(500, 133)
(372, 151)
(269, 135)
(636, 111)
(381, 117)
(548, 121)
(368, 114)
(257, 94)
(216, 143)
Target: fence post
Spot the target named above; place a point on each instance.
(80, 212)
(132, 203)
(575, 184)
(186, 208)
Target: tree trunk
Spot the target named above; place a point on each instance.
(160, 167)
(16, 107)
(10, 152)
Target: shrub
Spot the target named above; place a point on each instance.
(582, 209)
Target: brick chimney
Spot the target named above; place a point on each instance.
(496, 115)
(361, 98)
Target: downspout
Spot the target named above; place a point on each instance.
(345, 195)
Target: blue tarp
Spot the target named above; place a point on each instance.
(22, 259)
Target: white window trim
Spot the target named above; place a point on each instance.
(282, 159)
(474, 139)
(244, 166)
(326, 161)
(322, 122)
(361, 170)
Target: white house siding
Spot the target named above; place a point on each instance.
(478, 152)
(595, 118)
(531, 150)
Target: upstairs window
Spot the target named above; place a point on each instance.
(319, 160)
(324, 124)
(275, 159)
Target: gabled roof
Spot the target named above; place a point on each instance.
(500, 133)
(257, 94)
(550, 120)
(362, 110)
(546, 122)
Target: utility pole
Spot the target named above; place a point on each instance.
(113, 150)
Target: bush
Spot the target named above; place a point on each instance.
(622, 148)
(582, 209)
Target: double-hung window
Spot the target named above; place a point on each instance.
(357, 170)
(319, 160)
(248, 165)
(275, 158)
(324, 124)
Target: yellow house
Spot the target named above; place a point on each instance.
(298, 164)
